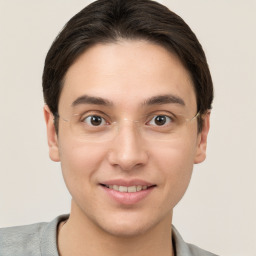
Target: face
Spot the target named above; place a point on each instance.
(122, 83)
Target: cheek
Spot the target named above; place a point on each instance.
(175, 163)
(79, 163)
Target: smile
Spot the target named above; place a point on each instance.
(130, 189)
(127, 192)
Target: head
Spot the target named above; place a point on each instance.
(127, 61)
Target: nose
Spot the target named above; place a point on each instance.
(127, 150)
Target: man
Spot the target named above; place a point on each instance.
(128, 95)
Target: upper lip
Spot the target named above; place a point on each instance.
(127, 183)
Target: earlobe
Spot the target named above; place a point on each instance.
(202, 140)
(51, 135)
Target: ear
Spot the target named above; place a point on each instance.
(52, 137)
(202, 139)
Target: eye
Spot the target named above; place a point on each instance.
(94, 120)
(160, 120)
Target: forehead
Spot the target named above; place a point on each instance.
(127, 73)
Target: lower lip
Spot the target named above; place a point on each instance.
(127, 198)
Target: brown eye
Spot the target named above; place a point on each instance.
(94, 120)
(160, 120)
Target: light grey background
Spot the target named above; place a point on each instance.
(218, 211)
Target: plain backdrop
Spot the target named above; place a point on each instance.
(218, 211)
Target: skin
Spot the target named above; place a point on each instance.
(126, 73)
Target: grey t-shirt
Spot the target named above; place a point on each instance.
(40, 239)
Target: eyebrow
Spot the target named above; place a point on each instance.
(155, 100)
(164, 99)
(86, 99)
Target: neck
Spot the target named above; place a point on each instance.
(80, 236)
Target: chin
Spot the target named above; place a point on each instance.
(125, 230)
(128, 225)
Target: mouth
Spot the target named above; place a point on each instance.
(126, 189)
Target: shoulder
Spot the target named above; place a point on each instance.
(198, 251)
(31, 240)
(185, 249)
(21, 240)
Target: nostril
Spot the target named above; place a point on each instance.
(127, 152)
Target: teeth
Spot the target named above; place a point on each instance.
(115, 187)
(125, 189)
(139, 188)
(132, 189)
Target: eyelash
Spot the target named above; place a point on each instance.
(165, 116)
(151, 117)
